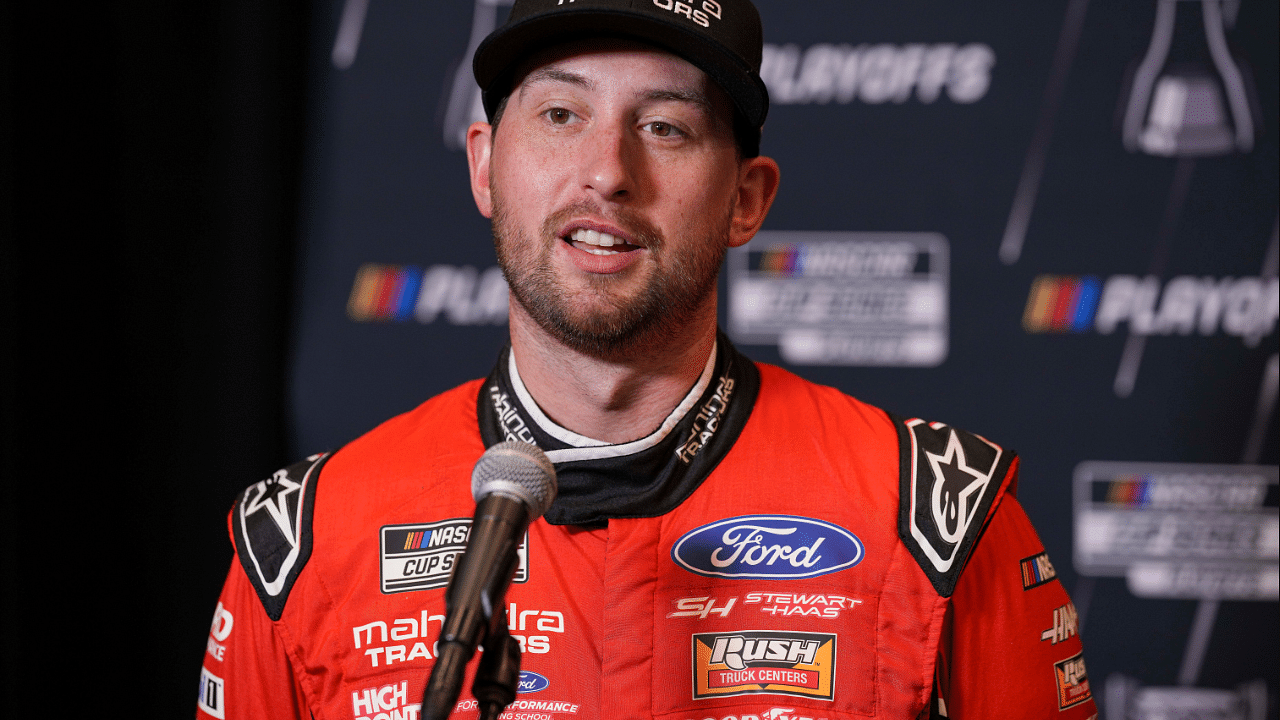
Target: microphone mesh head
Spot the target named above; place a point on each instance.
(519, 470)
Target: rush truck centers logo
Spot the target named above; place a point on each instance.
(764, 662)
(1073, 682)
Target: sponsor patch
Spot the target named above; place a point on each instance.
(701, 607)
(949, 478)
(1036, 571)
(531, 682)
(212, 698)
(764, 662)
(1073, 681)
(767, 546)
(385, 701)
(528, 709)
(271, 524)
(1066, 624)
(422, 556)
(219, 630)
(802, 604)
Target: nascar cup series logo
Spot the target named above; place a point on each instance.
(764, 662)
(422, 556)
(767, 546)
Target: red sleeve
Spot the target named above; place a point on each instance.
(247, 672)
(1014, 648)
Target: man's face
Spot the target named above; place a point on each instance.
(613, 180)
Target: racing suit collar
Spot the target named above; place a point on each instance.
(643, 478)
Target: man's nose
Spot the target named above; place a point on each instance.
(610, 165)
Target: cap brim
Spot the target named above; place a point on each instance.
(496, 58)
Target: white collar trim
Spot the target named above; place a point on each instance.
(585, 448)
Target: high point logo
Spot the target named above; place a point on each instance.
(767, 546)
(1245, 307)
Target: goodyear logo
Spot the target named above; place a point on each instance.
(767, 546)
(764, 662)
(1246, 307)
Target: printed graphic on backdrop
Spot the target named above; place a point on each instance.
(1053, 224)
(1182, 531)
(1177, 530)
(458, 295)
(842, 298)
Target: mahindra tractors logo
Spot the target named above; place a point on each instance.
(767, 546)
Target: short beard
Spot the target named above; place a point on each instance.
(666, 304)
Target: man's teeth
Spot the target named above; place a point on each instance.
(597, 240)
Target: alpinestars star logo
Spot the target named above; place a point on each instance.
(950, 478)
(956, 490)
(272, 497)
(271, 526)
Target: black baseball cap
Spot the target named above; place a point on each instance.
(723, 38)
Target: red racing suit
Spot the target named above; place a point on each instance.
(812, 570)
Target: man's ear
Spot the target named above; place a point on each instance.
(757, 186)
(479, 153)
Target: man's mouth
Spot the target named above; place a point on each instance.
(598, 243)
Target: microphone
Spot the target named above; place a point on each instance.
(513, 484)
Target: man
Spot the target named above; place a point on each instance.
(729, 541)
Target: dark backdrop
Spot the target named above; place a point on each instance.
(187, 197)
(148, 195)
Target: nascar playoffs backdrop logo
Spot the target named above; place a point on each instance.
(1245, 307)
(767, 546)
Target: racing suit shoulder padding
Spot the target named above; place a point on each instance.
(949, 481)
(271, 529)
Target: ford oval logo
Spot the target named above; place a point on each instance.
(531, 682)
(767, 546)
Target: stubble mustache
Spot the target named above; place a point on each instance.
(662, 305)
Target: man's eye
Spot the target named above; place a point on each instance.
(661, 129)
(559, 116)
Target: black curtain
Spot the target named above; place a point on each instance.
(148, 217)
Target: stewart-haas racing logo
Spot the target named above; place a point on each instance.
(421, 557)
(764, 662)
(767, 546)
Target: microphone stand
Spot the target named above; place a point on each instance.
(499, 673)
(474, 615)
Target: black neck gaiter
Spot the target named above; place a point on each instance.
(644, 478)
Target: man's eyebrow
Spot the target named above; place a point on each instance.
(558, 75)
(554, 74)
(686, 96)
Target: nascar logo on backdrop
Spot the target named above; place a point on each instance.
(1180, 530)
(842, 298)
(463, 295)
(1246, 307)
